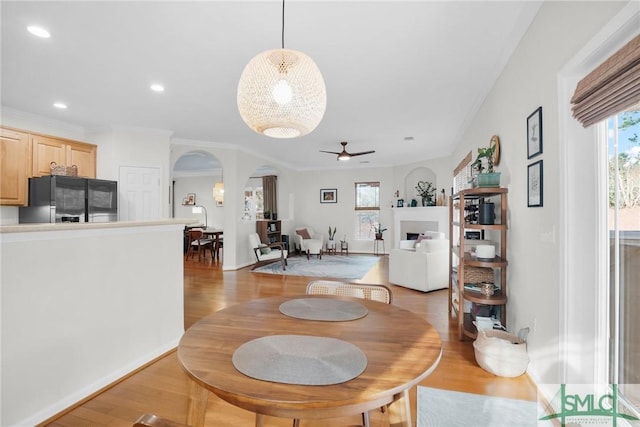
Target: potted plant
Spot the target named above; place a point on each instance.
(483, 162)
(331, 244)
(427, 191)
(378, 230)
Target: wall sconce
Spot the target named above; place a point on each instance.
(198, 209)
(218, 192)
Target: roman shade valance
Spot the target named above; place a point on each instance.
(609, 89)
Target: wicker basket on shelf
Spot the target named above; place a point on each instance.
(478, 274)
(63, 170)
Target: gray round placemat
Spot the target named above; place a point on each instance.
(300, 359)
(332, 310)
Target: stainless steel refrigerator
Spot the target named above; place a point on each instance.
(70, 199)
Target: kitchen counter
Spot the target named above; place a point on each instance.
(60, 226)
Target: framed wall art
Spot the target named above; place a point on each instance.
(329, 195)
(191, 199)
(534, 133)
(534, 184)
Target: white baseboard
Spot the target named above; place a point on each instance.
(83, 393)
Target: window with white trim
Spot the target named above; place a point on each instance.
(367, 210)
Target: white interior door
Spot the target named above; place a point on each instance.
(139, 193)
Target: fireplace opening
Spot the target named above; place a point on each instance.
(412, 236)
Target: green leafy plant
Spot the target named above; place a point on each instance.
(332, 234)
(426, 190)
(377, 228)
(484, 155)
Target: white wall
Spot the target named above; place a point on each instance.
(81, 308)
(529, 80)
(309, 212)
(135, 147)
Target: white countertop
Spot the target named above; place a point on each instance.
(65, 226)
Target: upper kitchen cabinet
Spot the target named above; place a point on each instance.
(14, 169)
(64, 153)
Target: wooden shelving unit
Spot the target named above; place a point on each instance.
(270, 231)
(460, 261)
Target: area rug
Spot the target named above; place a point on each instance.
(437, 408)
(333, 266)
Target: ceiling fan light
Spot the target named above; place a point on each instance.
(343, 157)
(281, 94)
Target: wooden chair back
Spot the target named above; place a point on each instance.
(379, 293)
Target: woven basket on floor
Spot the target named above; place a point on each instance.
(478, 275)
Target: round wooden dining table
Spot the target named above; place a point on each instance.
(401, 349)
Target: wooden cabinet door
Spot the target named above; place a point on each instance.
(14, 150)
(83, 156)
(45, 151)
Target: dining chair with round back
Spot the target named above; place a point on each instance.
(379, 293)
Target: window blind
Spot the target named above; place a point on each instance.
(611, 88)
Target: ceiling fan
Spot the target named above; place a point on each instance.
(343, 155)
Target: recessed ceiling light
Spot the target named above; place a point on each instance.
(60, 105)
(38, 31)
(156, 87)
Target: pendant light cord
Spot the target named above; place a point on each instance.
(283, 24)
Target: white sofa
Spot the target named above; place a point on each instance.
(423, 265)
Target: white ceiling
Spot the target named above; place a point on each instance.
(392, 69)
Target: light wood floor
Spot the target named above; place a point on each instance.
(161, 387)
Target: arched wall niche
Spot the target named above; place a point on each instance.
(411, 180)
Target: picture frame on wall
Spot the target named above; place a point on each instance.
(191, 198)
(534, 133)
(535, 181)
(328, 195)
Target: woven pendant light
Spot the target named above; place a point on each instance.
(281, 93)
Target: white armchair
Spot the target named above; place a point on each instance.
(307, 241)
(424, 268)
(266, 254)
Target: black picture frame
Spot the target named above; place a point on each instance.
(535, 185)
(328, 195)
(534, 133)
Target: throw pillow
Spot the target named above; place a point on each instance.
(422, 237)
(304, 233)
(264, 249)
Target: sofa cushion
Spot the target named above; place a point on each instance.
(304, 233)
(434, 245)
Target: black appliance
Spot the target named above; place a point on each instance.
(70, 199)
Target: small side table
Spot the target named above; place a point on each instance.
(376, 246)
(344, 248)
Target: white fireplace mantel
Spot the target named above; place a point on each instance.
(437, 214)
